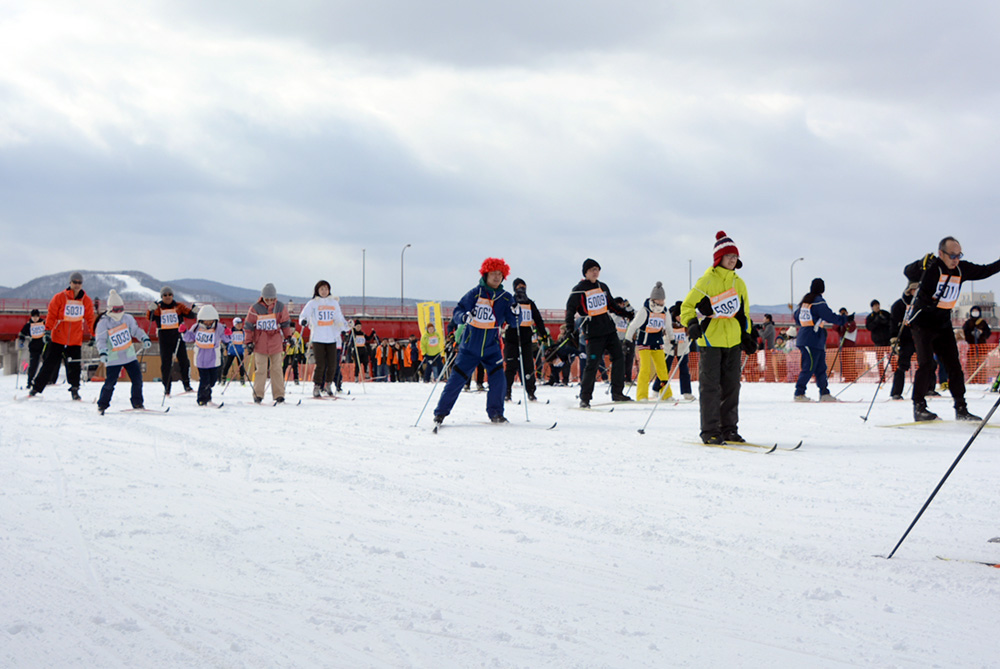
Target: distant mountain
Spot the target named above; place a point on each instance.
(134, 286)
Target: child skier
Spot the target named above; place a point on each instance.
(208, 335)
(33, 333)
(483, 310)
(114, 334)
(234, 352)
(653, 328)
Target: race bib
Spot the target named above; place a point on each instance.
(483, 316)
(596, 301)
(725, 305)
(73, 312)
(120, 337)
(433, 341)
(359, 341)
(526, 318)
(324, 316)
(36, 330)
(169, 319)
(267, 323)
(805, 315)
(655, 323)
(680, 335)
(204, 338)
(948, 289)
(237, 337)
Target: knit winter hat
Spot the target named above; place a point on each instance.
(208, 313)
(269, 291)
(166, 290)
(817, 287)
(723, 246)
(519, 282)
(588, 263)
(658, 293)
(76, 276)
(115, 300)
(494, 265)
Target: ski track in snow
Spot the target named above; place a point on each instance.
(336, 534)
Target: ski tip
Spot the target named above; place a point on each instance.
(553, 426)
(435, 430)
(167, 410)
(796, 446)
(641, 431)
(771, 450)
(611, 410)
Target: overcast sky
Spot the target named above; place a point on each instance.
(265, 141)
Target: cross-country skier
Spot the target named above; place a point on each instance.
(940, 277)
(483, 310)
(715, 314)
(168, 315)
(517, 342)
(592, 299)
(810, 315)
(68, 318)
(114, 334)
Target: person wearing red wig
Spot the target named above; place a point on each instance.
(479, 314)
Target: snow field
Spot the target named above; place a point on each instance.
(335, 534)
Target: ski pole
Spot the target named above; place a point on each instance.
(436, 381)
(361, 369)
(837, 355)
(677, 364)
(870, 368)
(975, 434)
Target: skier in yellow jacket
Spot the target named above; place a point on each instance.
(715, 312)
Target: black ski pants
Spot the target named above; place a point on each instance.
(50, 366)
(940, 341)
(597, 346)
(515, 349)
(904, 356)
(171, 346)
(719, 390)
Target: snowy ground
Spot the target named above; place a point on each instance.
(335, 534)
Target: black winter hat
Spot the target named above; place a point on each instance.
(519, 282)
(588, 263)
(817, 287)
(35, 312)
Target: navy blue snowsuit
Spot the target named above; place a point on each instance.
(483, 310)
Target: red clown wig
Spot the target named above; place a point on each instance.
(494, 265)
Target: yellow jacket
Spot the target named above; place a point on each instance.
(728, 295)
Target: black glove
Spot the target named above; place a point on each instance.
(850, 318)
(705, 307)
(694, 329)
(47, 337)
(748, 343)
(250, 347)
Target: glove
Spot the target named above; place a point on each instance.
(304, 322)
(146, 344)
(893, 340)
(467, 318)
(250, 347)
(47, 337)
(694, 329)
(151, 307)
(850, 318)
(705, 307)
(182, 328)
(748, 343)
(228, 332)
(104, 358)
(928, 259)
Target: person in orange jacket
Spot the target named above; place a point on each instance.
(69, 319)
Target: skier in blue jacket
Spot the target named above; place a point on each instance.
(810, 315)
(482, 311)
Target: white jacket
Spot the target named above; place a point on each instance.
(323, 317)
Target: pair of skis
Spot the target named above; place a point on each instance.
(749, 447)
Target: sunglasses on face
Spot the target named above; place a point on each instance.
(954, 256)
(76, 283)
(117, 310)
(167, 295)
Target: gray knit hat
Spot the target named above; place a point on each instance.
(269, 291)
(166, 290)
(657, 293)
(76, 276)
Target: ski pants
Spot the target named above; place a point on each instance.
(462, 369)
(514, 351)
(813, 364)
(650, 360)
(50, 365)
(684, 373)
(927, 343)
(112, 373)
(597, 346)
(268, 365)
(905, 355)
(171, 346)
(719, 390)
(207, 377)
(432, 367)
(327, 360)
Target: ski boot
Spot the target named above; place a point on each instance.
(734, 438)
(962, 413)
(498, 419)
(74, 392)
(921, 413)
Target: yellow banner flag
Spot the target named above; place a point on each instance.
(429, 312)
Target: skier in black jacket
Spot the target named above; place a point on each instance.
(905, 349)
(517, 341)
(592, 299)
(33, 333)
(940, 277)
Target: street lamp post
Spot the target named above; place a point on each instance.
(401, 276)
(363, 309)
(791, 282)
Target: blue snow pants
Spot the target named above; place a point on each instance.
(461, 371)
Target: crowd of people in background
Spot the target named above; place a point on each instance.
(496, 336)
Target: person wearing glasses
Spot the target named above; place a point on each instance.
(68, 318)
(940, 277)
(168, 316)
